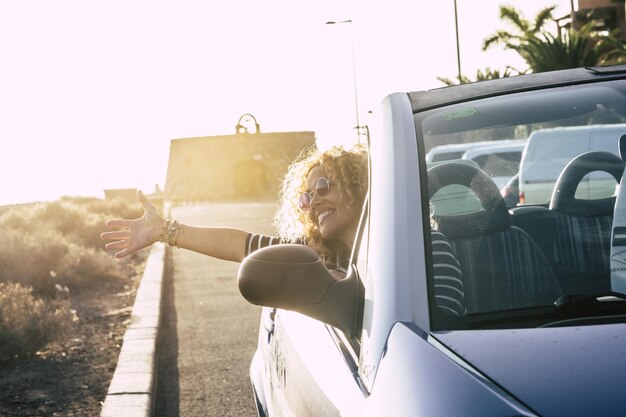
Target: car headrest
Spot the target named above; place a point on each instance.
(563, 197)
(492, 216)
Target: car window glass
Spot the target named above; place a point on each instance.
(499, 164)
(596, 185)
(453, 199)
(445, 156)
(520, 246)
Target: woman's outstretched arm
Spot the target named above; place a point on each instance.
(135, 234)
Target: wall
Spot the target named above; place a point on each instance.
(240, 166)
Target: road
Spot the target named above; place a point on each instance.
(209, 331)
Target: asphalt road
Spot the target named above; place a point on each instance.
(209, 331)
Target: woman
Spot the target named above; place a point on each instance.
(320, 202)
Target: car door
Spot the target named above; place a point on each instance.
(311, 368)
(303, 367)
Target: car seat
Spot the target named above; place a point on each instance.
(582, 240)
(502, 267)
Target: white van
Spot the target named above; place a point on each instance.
(549, 150)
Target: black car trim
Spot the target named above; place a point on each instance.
(349, 358)
(445, 96)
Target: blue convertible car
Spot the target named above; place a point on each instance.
(543, 284)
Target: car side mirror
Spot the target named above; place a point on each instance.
(293, 277)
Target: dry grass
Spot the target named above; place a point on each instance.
(46, 247)
(28, 323)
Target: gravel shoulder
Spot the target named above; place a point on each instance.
(71, 377)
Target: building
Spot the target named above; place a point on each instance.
(607, 15)
(228, 167)
(127, 195)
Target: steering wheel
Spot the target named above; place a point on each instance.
(492, 216)
(563, 197)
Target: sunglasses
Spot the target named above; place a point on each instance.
(322, 188)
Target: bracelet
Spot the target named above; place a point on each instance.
(174, 240)
(166, 225)
(169, 232)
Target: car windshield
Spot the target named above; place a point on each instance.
(517, 250)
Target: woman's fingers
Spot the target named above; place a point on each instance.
(121, 248)
(119, 223)
(123, 253)
(132, 230)
(118, 245)
(117, 235)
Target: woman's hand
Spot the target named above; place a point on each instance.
(136, 234)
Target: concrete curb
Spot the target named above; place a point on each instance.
(132, 389)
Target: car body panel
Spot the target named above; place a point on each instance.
(415, 369)
(555, 371)
(397, 251)
(300, 357)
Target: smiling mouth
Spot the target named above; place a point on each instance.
(323, 215)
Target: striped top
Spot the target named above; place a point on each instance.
(449, 293)
(257, 241)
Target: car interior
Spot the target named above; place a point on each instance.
(525, 277)
(526, 256)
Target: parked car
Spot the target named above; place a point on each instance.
(549, 150)
(500, 159)
(543, 331)
(453, 150)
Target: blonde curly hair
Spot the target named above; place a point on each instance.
(348, 167)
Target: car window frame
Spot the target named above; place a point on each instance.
(351, 345)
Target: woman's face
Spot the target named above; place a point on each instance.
(332, 213)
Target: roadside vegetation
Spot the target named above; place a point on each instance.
(48, 253)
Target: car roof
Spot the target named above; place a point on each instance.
(424, 100)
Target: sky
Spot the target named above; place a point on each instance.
(92, 93)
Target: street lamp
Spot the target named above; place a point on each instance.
(356, 99)
(458, 50)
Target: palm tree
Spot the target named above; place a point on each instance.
(525, 29)
(544, 51)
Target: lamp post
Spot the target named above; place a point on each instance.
(458, 50)
(356, 99)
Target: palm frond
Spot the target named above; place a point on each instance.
(515, 17)
(542, 17)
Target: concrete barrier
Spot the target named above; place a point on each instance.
(133, 386)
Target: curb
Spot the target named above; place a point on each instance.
(132, 388)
